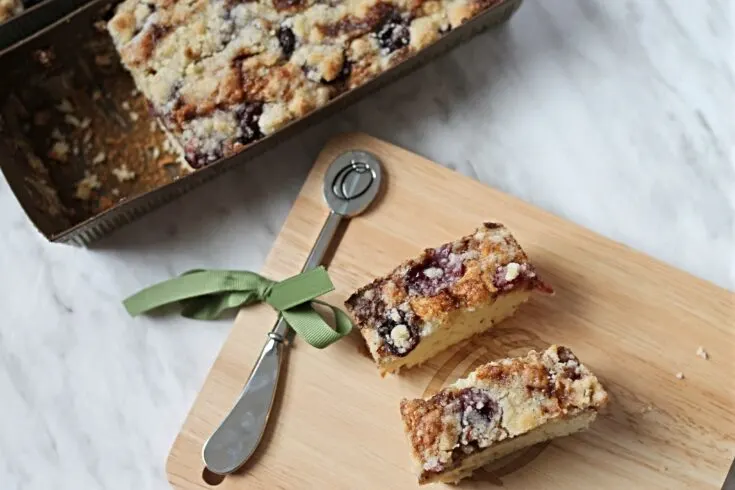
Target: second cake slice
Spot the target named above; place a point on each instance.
(444, 296)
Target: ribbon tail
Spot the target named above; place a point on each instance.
(310, 325)
(212, 306)
(195, 284)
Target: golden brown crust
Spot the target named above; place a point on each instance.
(498, 401)
(9, 9)
(222, 74)
(423, 292)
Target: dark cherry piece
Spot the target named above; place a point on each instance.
(287, 40)
(419, 283)
(477, 410)
(393, 32)
(198, 159)
(385, 329)
(248, 116)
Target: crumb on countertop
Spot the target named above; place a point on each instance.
(679, 375)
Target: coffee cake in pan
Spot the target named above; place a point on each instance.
(221, 74)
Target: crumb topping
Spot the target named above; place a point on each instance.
(9, 9)
(223, 74)
(498, 401)
(423, 291)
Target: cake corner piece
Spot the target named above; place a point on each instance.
(444, 296)
(499, 408)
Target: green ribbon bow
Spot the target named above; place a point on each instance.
(206, 294)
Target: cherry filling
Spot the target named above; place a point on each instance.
(479, 419)
(197, 159)
(247, 117)
(400, 336)
(287, 40)
(393, 32)
(572, 370)
(438, 271)
(287, 4)
(478, 414)
(565, 355)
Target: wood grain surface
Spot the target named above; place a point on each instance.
(634, 321)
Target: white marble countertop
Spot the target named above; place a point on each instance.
(615, 115)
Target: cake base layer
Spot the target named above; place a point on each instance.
(557, 428)
(462, 325)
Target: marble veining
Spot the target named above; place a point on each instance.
(615, 115)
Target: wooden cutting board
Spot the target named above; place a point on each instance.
(633, 320)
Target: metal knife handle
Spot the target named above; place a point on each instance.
(237, 437)
(314, 259)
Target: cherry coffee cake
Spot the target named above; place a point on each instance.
(443, 297)
(499, 408)
(220, 74)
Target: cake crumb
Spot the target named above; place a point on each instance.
(96, 95)
(72, 120)
(133, 116)
(56, 134)
(84, 123)
(115, 191)
(101, 26)
(679, 375)
(87, 137)
(702, 353)
(125, 105)
(153, 126)
(89, 183)
(45, 57)
(123, 173)
(99, 158)
(59, 151)
(512, 271)
(65, 106)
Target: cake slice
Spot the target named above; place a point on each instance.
(499, 408)
(444, 296)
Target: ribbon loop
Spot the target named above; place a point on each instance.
(206, 294)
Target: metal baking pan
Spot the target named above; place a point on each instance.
(35, 16)
(69, 117)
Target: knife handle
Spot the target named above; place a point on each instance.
(239, 434)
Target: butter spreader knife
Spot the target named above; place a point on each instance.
(351, 184)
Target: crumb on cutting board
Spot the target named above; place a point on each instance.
(702, 353)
